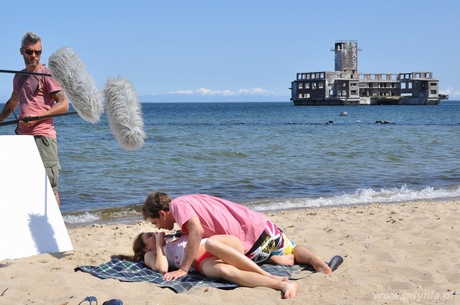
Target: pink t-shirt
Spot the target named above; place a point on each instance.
(219, 216)
(35, 98)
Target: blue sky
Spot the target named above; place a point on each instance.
(213, 50)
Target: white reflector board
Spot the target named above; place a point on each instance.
(30, 220)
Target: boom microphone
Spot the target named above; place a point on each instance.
(69, 71)
(124, 113)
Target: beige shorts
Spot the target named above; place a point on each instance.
(47, 147)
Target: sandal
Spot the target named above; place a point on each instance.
(90, 300)
(113, 302)
(335, 262)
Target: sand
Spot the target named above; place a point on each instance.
(393, 254)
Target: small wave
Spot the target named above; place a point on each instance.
(132, 213)
(85, 217)
(360, 197)
(109, 215)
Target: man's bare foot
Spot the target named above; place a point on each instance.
(290, 289)
(324, 269)
(320, 265)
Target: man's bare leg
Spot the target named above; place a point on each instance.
(304, 256)
(285, 260)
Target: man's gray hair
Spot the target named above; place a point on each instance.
(31, 38)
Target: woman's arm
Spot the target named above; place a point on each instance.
(157, 259)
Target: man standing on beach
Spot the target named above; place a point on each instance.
(38, 96)
(202, 216)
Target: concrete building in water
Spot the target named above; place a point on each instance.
(347, 86)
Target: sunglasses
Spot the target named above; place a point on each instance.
(30, 52)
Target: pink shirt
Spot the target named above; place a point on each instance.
(219, 216)
(34, 98)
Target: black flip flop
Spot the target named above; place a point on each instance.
(335, 262)
(113, 302)
(90, 300)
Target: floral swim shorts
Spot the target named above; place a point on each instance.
(271, 242)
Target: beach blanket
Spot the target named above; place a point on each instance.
(127, 271)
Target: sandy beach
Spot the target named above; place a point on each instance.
(393, 254)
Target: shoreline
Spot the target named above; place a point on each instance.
(135, 216)
(393, 253)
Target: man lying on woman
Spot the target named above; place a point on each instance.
(203, 216)
(231, 263)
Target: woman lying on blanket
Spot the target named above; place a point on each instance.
(231, 263)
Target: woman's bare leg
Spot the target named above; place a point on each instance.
(212, 268)
(230, 250)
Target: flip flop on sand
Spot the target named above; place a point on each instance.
(90, 300)
(335, 262)
(113, 302)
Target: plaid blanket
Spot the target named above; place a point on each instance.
(137, 272)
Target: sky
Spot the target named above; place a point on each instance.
(234, 51)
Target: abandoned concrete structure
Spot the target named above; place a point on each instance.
(346, 86)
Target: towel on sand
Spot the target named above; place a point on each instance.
(127, 271)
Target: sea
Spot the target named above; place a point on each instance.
(269, 156)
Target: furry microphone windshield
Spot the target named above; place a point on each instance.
(70, 72)
(124, 113)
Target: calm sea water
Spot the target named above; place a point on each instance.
(268, 156)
